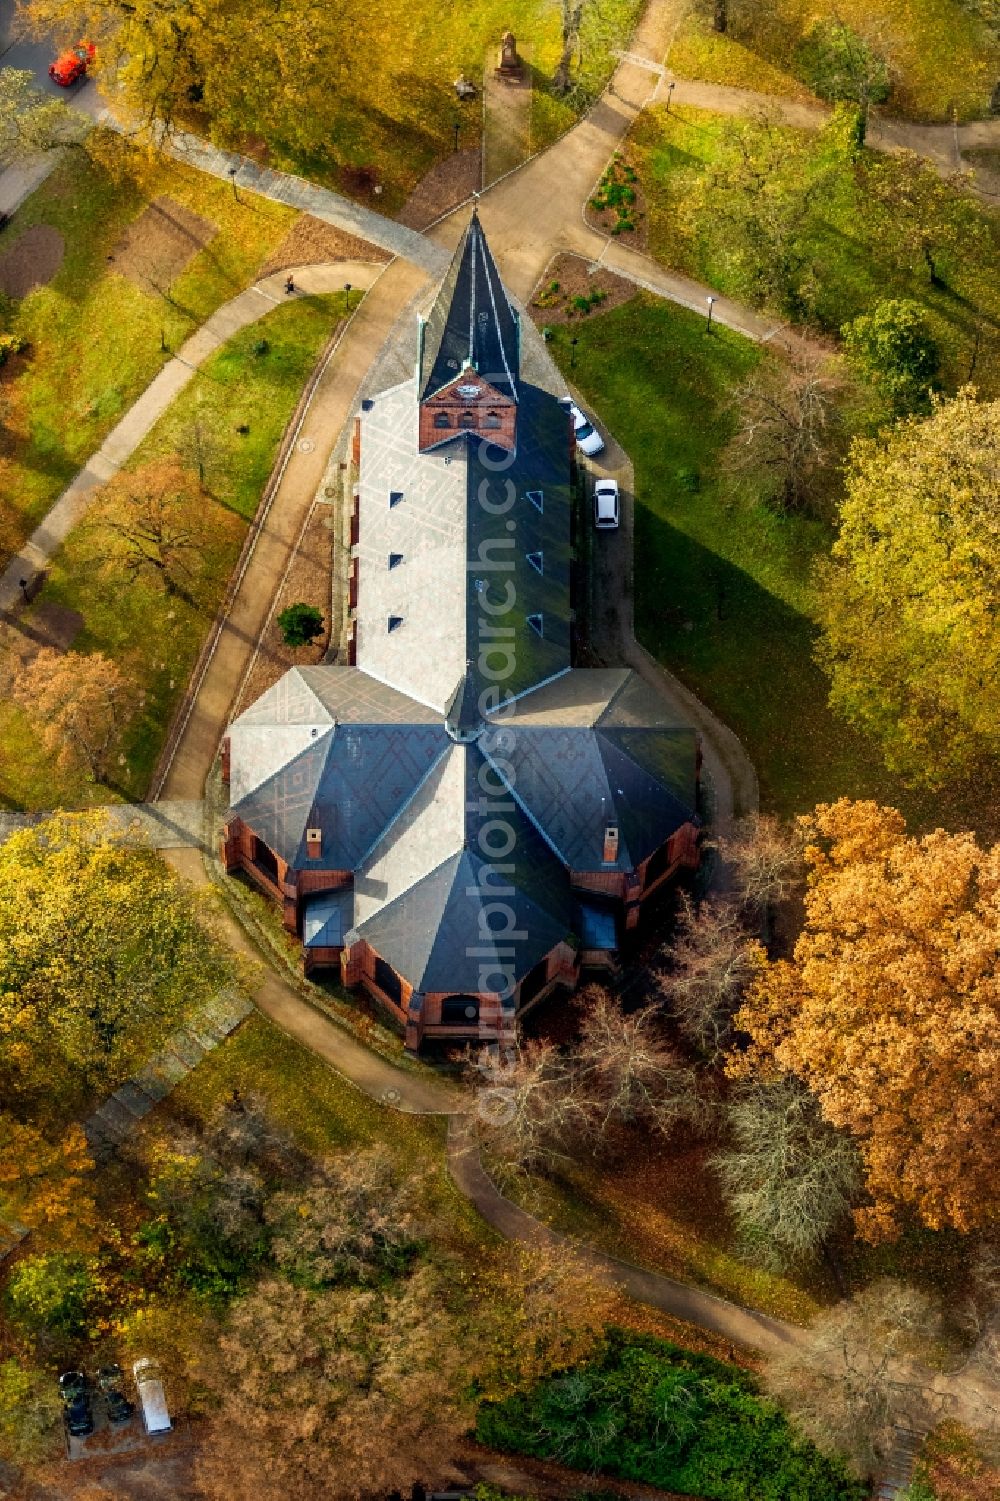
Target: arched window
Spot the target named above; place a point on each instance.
(492, 419)
(441, 419)
(466, 419)
(459, 1010)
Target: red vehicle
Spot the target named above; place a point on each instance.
(72, 64)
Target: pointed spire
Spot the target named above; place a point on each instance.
(472, 323)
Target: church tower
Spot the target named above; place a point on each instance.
(468, 364)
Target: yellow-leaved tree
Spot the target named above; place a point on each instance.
(889, 1012)
(43, 1182)
(103, 951)
(911, 598)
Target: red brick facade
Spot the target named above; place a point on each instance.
(468, 405)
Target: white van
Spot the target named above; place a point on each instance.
(153, 1402)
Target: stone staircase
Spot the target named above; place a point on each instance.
(112, 1123)
(897, 1470)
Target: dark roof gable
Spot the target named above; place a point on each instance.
(471, 323)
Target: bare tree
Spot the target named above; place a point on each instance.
(765, 857)
(626, 1070)
(342, 1393)
(201, 448)
(859, 1369)
(789, 1177)
(709, 967)
(786, 429)
(354, 1222)
(527, 1107)
(155, 521)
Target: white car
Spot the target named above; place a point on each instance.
(588, 439)
(606, 503)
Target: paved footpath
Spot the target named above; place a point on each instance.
(123, 440)
(330, 409)
(742, 1325)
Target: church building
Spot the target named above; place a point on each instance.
(458, 819)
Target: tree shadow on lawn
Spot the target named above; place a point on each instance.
(749, 655)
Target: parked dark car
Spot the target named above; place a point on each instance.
(77, 1411)
(111, 1380)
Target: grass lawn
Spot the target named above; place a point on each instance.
(670, 149)
(326, 1115)
(382, 107)
(659, 1206)
(93, 333)
(154, 636)
(698, 51)
(663, 387)
(943, 57)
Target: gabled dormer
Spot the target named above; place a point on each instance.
(468, 361)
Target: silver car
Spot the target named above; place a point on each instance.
(588, 439)
(606, 511)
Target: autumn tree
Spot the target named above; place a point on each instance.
(789, 1177)
(30, 1413)
(707, 969)
(44, 1182)
(50, 1296)
(536, 1310)
(926, 219)
(841, 66)
(356, 1219)
(887, 1012)
(154, 58)
(786, 431)
(626, 1072)
(892, 348)
(753, 209)
(338, 1393)
(206, 1230)
(858, 1370)
(153, 523)
(31, 121)
(911, 598)
(78, 702)
(103, 951)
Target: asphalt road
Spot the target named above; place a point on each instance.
(609, 552)
(34, 57)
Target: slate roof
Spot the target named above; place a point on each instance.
(470, 528)
(471, 323)
(463, 589)
(426, 898)
(574, 782)
(329, 748)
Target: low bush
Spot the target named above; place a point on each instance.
(653, 1412)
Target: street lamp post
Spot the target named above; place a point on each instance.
(456, 126)
(572, 353)
(670, 91)
(232, 179)
(347, 294)
(711, 305)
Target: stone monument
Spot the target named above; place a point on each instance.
(509, 66)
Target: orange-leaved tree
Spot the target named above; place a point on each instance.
(889, 1009)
